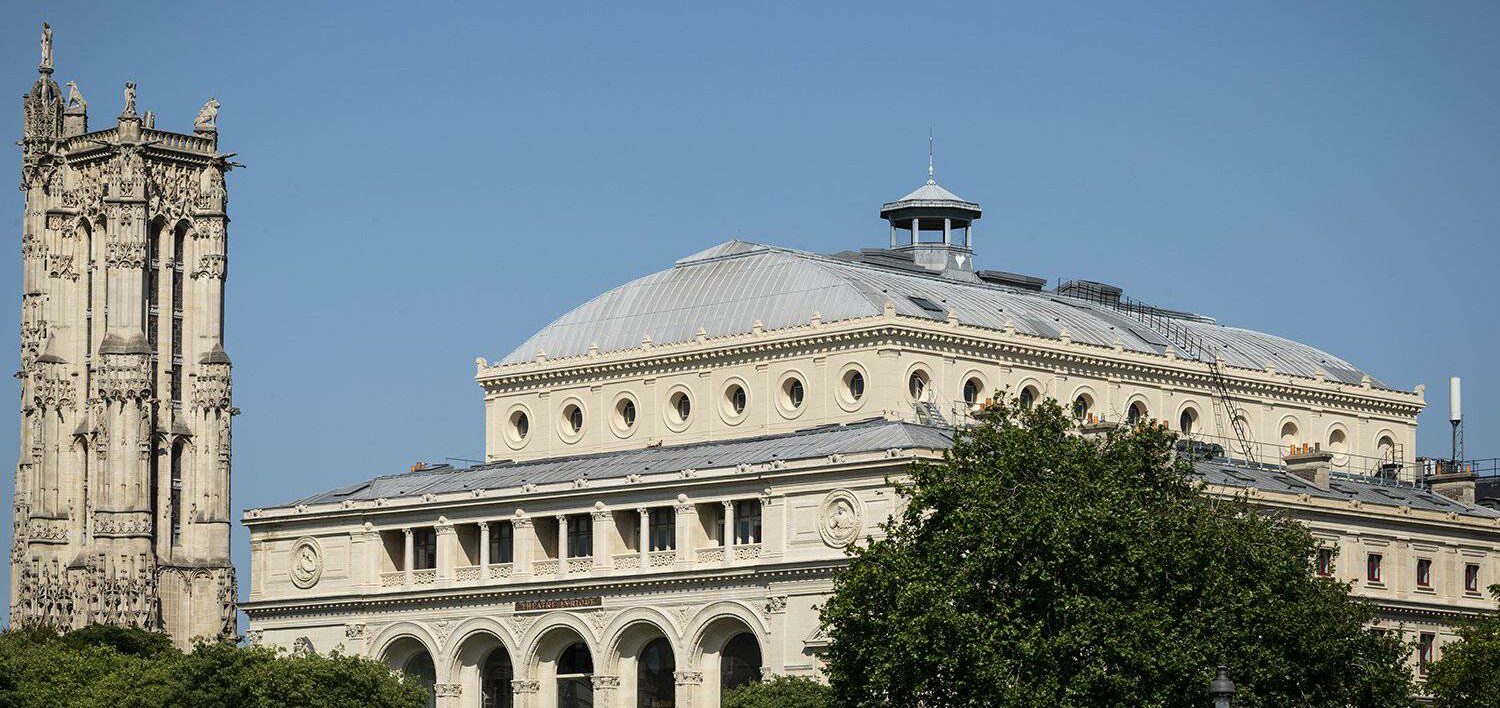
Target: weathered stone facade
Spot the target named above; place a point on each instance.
(122, 486)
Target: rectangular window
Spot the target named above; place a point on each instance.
(1424, 572)
(424, 548)
(502, 542)
(1372, 568)
(1424, 652)
(1325, 561)
(663, 531)
(1471, 578)
(747, 521)
(580, 536)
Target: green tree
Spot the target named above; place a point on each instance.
(1468, 675)
(1033, 566)
(779, 692)
(109, 667)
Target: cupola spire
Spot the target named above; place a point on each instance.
(934, 225)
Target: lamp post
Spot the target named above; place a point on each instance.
(1221, 689)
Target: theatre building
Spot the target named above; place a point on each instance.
(675, 468)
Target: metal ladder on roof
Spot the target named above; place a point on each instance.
(1192, 347)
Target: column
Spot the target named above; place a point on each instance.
(644, 533)
(916, 230)
(524, 691)
(562, 544)
(687, 530)
(484, 549)
(600, 541)
(893, 234)
(689, 684)
(447, 549)
(407, 556)
(947, 232)
(728, 530)
(523, 546)
(969, 235)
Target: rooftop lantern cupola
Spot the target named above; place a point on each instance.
(934, 225)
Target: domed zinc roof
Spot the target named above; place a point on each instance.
(727, 288)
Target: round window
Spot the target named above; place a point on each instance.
(973, 392)
(917, 385)
(735, 400)
(682, 405)
(792, 393)
(1081, 405)
(573, 417)
(625, 411)
(520, 426)
(1187, 421)
(854, 384)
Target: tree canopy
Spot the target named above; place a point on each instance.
(779, 692)
(1035, 566)
(1468, 674)
(111, 667)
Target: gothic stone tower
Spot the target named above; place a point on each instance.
(122, 488)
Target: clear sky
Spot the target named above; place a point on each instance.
(430, 182)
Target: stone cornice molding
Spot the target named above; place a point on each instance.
(947, 337)
(450, 598)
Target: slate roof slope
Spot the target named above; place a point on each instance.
(1341, 487)
(866, 436)
(727, 288)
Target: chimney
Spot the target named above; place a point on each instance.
(1311, 464)
(1453, 480)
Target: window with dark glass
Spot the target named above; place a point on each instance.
(502, 542)
(1372, 567)
(1425, 656)
(575, 670)
(1325, 561)
(972, 391)
(1028, 397)
(654, 683)
(1424, 573)
(424, 548)
(580, 536)
(1471, 578)
(495, 689)
(739, 663)
(747, 521)
(663, 531)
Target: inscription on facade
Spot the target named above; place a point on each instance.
(567, 603)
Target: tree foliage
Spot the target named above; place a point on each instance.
(1033, 566)
(111, 667)
(779, 692)
(1468, 675)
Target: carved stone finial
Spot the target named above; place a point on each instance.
(207, 115)
(46, 66)
(75, 98)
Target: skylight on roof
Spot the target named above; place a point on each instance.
(925, 304)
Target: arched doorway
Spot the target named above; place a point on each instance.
(655, 686)
(495, 675)
(575, 677)
(419, 668)
(410, 656)
(739, 662)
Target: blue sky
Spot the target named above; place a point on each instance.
(430, 182)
